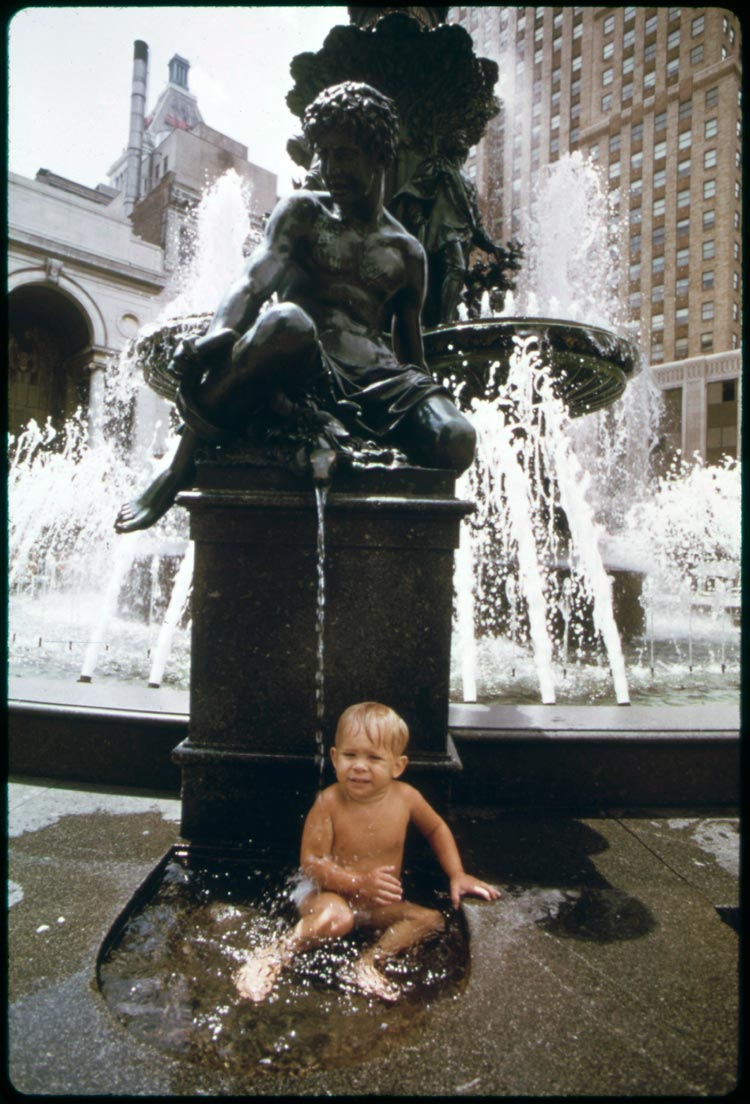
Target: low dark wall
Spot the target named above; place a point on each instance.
(500, 765)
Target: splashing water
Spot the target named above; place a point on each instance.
(572, 270)
(525, 475)
(220, 242)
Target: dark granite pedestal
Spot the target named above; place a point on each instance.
(248, 765)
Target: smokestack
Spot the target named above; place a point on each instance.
(137, 115)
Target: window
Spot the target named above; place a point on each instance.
(709, 188)
(683, 198)
(683, 167)
(660, 178)
(649, 53)
(660, 150)
(538, 56)
(657, 293)
(707, 311)
(673, 70)
(685, 109)
(696, 54)
(615, 142)
(628, 65)
(736, 281)
(636, 187)
(557, 43)
(658, 235)
(649, 80)
(682, 287)
(609, 25)
(556, 75)
(576, 63)
(554, 145)
(707, 343)
(607, 76)
(651, 24)
(614, 170)
(709, 219)
(660, 121)
(636, 161)
(627, 92)
(698, 25)
(607, 103)
(634, 302)
(712, 97)
(636, 216)
(554, 123)
(709, 159)
(660, 206)
(636, 133)
(657, 264)
(628, 14)
(635, 272)
(608, 51)
(711, 128)
(709, 249)
(685, 139)
(673, 39)
(683, 226)
(577, 30)
(707, 279)
(657, 322)
(628, 39)
(682, 257)
(681, 316)
(635, 243)
(680, 351)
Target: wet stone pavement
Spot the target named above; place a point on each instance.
(609, 967)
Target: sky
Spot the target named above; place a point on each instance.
(70, 70)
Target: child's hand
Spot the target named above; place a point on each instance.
(463, 884)
(380, 886)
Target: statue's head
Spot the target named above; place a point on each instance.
(361, 111)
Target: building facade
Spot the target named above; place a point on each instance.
(653, 96)
(89, 266)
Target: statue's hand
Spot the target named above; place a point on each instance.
(186, 366)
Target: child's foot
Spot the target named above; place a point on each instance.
(256, 979)
(369, 980)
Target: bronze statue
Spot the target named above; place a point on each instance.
(341, 267)
(439, 206)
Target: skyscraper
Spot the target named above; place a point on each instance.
(653, 96)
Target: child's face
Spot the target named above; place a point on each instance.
(365, 770)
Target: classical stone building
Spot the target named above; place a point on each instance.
(89, 266)
(653, 96)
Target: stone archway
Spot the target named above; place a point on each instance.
(49, 341)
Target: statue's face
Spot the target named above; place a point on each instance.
(351, 173)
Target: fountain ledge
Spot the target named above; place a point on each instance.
(556, 757)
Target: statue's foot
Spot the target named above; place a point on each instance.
(144, 511)
(256, 979)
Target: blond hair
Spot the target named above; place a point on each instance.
(381, 724)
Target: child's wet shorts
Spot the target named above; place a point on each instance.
(301, 887)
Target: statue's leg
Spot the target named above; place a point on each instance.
(436, 434)
(273, 362)
(454, 275)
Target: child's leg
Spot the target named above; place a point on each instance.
(322, 916)
(404, 925)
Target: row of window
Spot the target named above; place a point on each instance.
(697, 24)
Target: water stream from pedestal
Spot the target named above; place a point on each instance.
(321, 495)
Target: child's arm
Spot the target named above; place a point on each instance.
(441, 840)
(379, 886)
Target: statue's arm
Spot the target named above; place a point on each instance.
(264, 272)
(406, 327)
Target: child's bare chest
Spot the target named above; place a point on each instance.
(370, 834)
